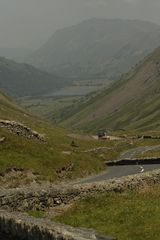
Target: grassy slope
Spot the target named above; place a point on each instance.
(46, 158)
(128, 216)
(24, 80)
(132, 103)
(50, 108)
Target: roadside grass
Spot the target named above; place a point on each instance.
(132, 215)
(36, 214)
(151, 153)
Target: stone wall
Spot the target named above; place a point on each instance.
(16, 224)
(19, 226)
(40, 198)
(21, 130)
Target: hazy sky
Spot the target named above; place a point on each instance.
(28, 23)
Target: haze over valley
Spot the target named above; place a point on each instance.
(97, 48)
(79, 119)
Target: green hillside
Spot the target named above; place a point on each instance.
(97, 48)
(55, 159)
(132, 103)
(24, 80)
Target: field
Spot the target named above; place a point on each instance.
(55, 105)
(50, 108)
(128, 216)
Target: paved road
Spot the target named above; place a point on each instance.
(132, 152)
(121, 171)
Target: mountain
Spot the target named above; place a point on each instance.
(25, 80)
(97, 48)
(131, 103)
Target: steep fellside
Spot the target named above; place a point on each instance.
(97, 48)
(32, 150)
(132, 103)
(25, 80)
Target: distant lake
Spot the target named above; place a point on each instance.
(82, 88)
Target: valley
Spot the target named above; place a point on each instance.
(79, 122)
(30, 165)
(54, 176)
(129, 104)
(53, 106)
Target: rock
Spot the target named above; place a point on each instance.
(2, 139)
(66, 152)
(73, 144)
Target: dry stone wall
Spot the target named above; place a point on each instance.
(39, 198)
(21, 130)
(19, 226)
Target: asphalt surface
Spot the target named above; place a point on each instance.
(132, 152)
(124, 170)
(120, 171)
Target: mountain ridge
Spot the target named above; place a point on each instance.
(21, 79)
(131, 103)
(97, 48)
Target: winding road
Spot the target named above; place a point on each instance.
(125, 170)
(120, 171)
(116, 172)
(132, 152)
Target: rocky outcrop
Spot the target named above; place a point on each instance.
(19, 226)
(61, 172)
(2, 140)
(21, 130)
